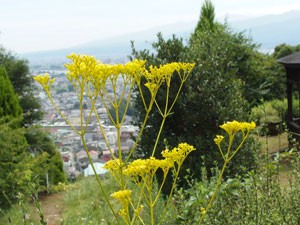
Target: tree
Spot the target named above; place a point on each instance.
(47, 160)
(207, 16)
(19, 165)
(213, 94)
(217, 92)
(9, 102)
(18, 73)
(15, 164)
(166, 51)
(284, 50)
(263, 77)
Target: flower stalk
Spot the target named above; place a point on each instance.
(91, 78)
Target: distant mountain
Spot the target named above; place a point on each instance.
(114, 49)
(272, 30)
(268, 31)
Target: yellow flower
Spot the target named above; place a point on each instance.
(178, 154)
(135, 69)
(139, 210)
(113, 165)
(233, 127)
(153, 88)
(81, 68)
(248, 126)
(158, 75)
(136, 168)
(218, 139)
(122, 196)
(122, 213)
(143, 167)
(45, 81)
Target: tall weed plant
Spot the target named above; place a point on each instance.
(137, 193)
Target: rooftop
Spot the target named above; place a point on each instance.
(292, 59)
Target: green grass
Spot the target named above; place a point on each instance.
(271, 195)
(19, 215)
(85, 204)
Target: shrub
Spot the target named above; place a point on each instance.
(259, 198)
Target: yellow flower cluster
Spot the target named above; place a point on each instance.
(178, 154)
(141, 167)
(85, 69)
(45, 81)
(155, 76)
(233, 127)
(123, 196)
(82, 66)
(218, 139)
(113, 165)
(88, 69)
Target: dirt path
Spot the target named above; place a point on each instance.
(53, 206)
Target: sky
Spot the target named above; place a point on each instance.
(36, 25)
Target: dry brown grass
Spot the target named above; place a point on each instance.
(273, 144)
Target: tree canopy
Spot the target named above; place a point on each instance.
(27, 153)
(230, 77)
(15, 163)
(284, 50)
(9, 102)
(18, 73)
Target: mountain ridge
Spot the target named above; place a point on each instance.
(268, 31)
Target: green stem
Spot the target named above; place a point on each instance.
(176, 97)
(215, 191)
(166, 114)
(151, 205)
(238, 148)
(98, 178)
(141, 194)
(170, 195)
(160, 189)
(61, 114)
(158, 135)
(141, 130)
(120, 155)
(127, 104)
(107, 108)
(103, 132)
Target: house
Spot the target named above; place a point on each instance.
(99, 167)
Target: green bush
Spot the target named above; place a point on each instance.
(271, 111)
(258, 198)
(16, 165)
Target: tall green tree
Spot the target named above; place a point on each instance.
(207, 16)
(26, 153)
(19, 75)
(164, 51)
(15, 162)
(9, 102)
(16, 165)
(49, 166)
(212, 95)
(217, 92)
